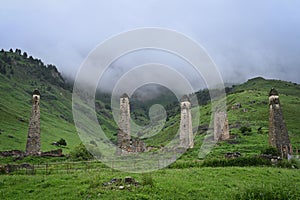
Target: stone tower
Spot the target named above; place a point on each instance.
(221, 128)
(278, 134)
(124, 123)
(186, 131)
(33, 146)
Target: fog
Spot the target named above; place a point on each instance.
(245, 39)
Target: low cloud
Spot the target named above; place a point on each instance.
(244, 38)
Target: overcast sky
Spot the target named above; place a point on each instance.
(245, 38)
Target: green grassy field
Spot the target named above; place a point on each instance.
(191, 183)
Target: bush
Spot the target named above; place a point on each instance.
(245, 130)
(62, 142)
(293, 163)
(147, 180)
(271, 151)
(80, 153)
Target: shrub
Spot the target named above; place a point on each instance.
(80, 153)
(62, 142)
(293, 163)
(147, 180)
(245, 130)
(271, 151)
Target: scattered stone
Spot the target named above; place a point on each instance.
(233, 155)
(105, 184)
(273, 159)
(9, 168)
(121, 184)
(53, 153)
(15, 153)
(55, 144)
(236, 106)
(129, 180)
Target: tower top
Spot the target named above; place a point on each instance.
(36, 92)
(273, 91)
(125, 96)
(184, 98)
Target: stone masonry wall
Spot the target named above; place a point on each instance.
(186, 131)
(278, 134)
(221, 127)
(33, 146)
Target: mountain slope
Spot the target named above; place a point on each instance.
(23, 75)
(20, 75)
(253, 112)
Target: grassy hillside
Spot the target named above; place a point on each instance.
(20, 75)
(254, 114)
(187, 178)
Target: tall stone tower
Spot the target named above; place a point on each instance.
(33, 146)
(186, 131)
(278, 134)
(221, 128)
(124, 123)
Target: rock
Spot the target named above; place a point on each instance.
(121, 187)
(116, 180)
(52, 153)
(236, 106)
(129, 180)
(55, 144)
(105, 184)
(232, 155)
(12, 153)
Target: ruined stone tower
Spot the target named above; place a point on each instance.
(124, 124)
(221, 128)
(186, 131)
(278, 134)
(33, 146)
